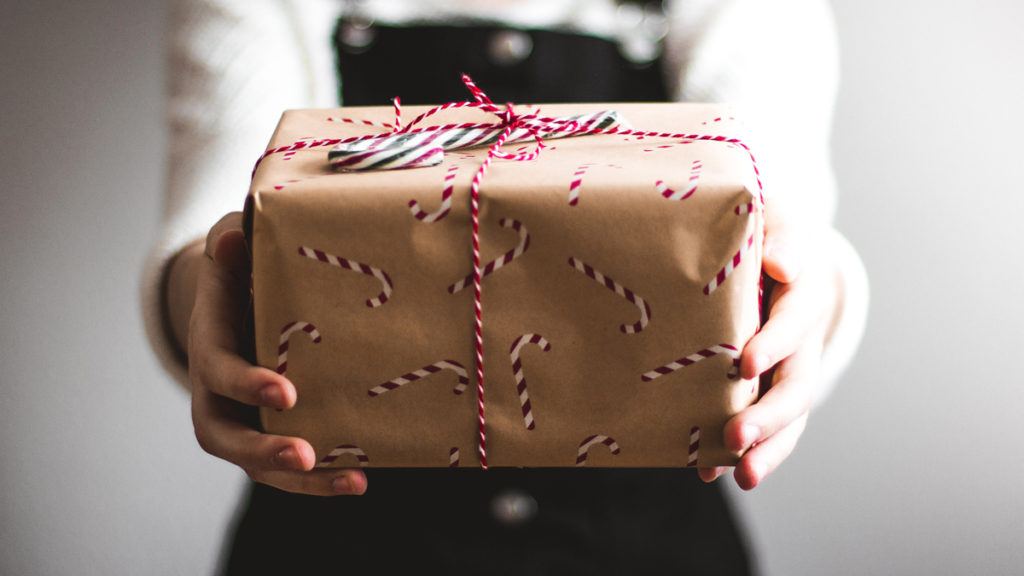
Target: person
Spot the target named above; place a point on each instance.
(236, 65)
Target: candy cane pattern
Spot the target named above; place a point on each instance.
(691, 186)
(453, 457)
(668, 146)
(346, 449)
(286, 333)
(404, 379)
(685, 361)
(577, 182)
(728, 268)
(694, 446)
(446, 201)
(719, 119)
(743, 209)
(494, 265)
(287, 182)
(640, 303)
(347, 264)
(581, 455)
(517, 372)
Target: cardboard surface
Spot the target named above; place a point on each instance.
(649, 258)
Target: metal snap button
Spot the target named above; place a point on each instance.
(357, 35)
(513, 507)
(641, 31)
(509, 47)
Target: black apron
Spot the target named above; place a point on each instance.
(498, 521)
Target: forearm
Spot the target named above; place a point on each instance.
(217, 129)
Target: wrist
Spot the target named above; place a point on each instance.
(179, 294)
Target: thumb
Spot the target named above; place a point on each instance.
(226, 246)
(783, 243)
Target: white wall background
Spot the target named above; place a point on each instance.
(913, 466)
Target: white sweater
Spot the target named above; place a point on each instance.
(235, 65)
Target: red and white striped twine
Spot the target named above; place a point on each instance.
(426, 147)
(640, 134)
(728, 350)
(640, 303)
(385, 125)
(453, 457)
(517, 373)
(498, 263)
(427, 370)
(286, 333)
(291, 153)
(584, 449)
(346, 449)
(347, 264)
(478, 315)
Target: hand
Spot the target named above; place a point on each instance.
(802, 306)
(225, 387)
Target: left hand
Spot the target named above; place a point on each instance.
(802, 306)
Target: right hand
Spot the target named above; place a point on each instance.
(226, 389)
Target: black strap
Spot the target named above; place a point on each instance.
(423, 65)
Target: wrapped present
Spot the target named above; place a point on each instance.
(619, 276)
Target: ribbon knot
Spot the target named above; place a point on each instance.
(413, 146)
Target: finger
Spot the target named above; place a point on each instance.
(316, 483)
(223, 283)
(711, 474)
(223, 429)
(229, 225)
(765, 457)
(784, 249)
(783, 257)
(215, 332)
(224, 273)
(214, 351)
(788, 400)
(793, 317)
(283, 462)
(225, 373)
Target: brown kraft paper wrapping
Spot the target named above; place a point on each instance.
(352, 292)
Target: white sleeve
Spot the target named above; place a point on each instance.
(778, 63)
(233, 67)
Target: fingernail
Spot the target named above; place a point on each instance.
(749, 433)
(342, 485)
(785, 259)
(758, 473)
(761, 363)
(270, 395)
(287, 458)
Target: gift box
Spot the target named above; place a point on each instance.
(620, 277)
